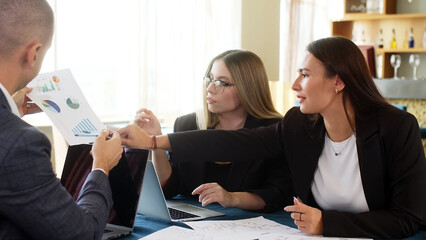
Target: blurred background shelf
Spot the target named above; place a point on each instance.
(401, 15)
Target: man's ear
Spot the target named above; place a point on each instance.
(339, 85)
(31, 54)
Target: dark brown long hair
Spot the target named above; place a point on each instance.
(340, 56)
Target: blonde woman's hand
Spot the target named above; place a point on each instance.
(146, 120)
(213, 192)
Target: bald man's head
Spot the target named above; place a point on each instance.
(24, 21)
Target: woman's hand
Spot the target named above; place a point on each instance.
(213, 192)
(147, 121)
(307, 219)
(134, 136)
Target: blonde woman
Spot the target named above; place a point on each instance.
(236, 96)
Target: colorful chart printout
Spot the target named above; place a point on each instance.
(85, 128)
(59, 96)
(72, 103)
(52, 106)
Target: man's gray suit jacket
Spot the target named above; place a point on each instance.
(33, 203)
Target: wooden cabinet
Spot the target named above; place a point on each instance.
(364, 28)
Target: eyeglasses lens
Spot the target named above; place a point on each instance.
(217, 86)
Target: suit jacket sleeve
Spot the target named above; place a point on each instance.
(33, 199)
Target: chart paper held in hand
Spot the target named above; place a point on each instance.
(59, 96)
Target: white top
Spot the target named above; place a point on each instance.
(337, 181)
(9, 98)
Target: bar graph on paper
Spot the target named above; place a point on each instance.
(85, 128)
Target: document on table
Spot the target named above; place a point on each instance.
(251, 228)
(59, 96)
(257, 228)
(177, 233)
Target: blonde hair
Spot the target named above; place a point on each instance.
(251, 84)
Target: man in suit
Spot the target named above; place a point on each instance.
(33, 203)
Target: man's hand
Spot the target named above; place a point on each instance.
(24, 104)
(106, 150)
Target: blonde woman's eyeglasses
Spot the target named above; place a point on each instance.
(219, 85)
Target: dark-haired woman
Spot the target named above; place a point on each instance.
(357, 162)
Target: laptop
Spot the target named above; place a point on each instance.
(125, 181)
(152, 202)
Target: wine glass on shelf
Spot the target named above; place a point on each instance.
(395, 61)
(414, 62)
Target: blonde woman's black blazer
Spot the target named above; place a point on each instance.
(268, 178)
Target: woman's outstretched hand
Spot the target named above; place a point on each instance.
(134, 136)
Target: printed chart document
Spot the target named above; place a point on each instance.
(251, 228)
(59, 96)
(257, 228)
(177, 233)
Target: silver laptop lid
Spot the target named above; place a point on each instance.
(153, 203)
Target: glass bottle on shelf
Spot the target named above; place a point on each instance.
(363, 37)
(380, 42)
(393, 42)
(411, 39)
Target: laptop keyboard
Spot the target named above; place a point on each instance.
(178, 214)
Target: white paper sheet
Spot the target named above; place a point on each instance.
(177, 233)
(59, 96)
(251, 228)
(257, 228)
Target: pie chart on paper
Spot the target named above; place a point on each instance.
(52, 106)
(73, 103)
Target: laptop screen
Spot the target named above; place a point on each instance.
(125, 180)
